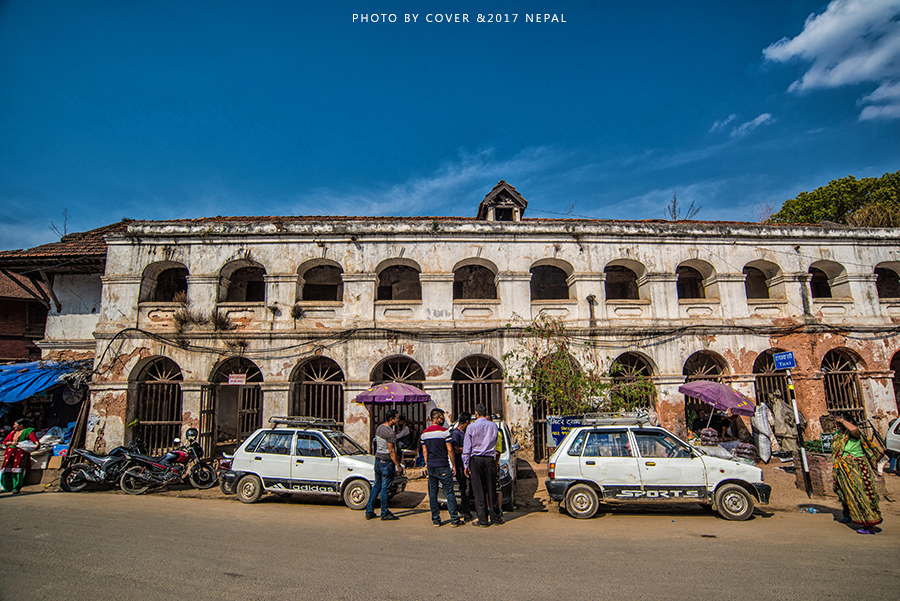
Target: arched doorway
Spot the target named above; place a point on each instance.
(399, 369)
(630, 369)
(230, 406)
(702, 365)
(770, 384)
(317, 390)
(540, 405)
(478, 379)
(841, 382)
(157, 416)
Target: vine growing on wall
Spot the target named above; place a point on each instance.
(567, 375)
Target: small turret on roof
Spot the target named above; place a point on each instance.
(503, 203)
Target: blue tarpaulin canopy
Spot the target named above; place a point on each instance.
(22, 380)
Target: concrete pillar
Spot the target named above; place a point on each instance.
(359, 299)
(796, 290)
(276, 399)
(660, 289)
(732, 294)
(864, 293)
(120, 296)
(514, 291)
(203, 292)
(437, 297)
(281, 294)
(583, 285)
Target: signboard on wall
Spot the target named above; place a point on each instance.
(237, 379)
(784, 360)
(560, 425)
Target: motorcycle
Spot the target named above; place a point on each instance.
(98, 468)
(176, 466)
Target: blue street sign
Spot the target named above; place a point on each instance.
(785, 360)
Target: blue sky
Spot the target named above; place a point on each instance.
(158, 110)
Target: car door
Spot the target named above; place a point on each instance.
(670, 470)
(270, 459)
(606, 459)
(315, 467)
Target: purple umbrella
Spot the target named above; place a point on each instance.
(719, 396)
(393, 392)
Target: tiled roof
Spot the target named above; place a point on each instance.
(74, 252)
(9, 289)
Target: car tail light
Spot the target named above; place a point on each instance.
(551, 470)
(224, 464)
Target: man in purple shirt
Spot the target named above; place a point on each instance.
(478, 459)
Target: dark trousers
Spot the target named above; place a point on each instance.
(484, 486)
(463, 502)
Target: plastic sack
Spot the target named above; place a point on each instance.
(762, 432)
(27, 446)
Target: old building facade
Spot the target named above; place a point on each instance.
(222, 322)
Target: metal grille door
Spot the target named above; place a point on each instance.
(318, 399)
(467, 394)
(842, 393)
(159, 415)
(771, 388)
(249, 412)
(208, 420)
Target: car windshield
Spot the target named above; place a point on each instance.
(653, 443)
(344, 444)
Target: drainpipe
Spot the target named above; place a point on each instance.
(591, 300)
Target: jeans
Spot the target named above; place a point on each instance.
(444, 477)
(385, 471)
(463, 482)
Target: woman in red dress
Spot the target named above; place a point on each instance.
(15, 461)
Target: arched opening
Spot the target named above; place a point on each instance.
(317, 390)
(247, 285)
(690, 283)
(399, 283)
(755, 283)
(478, 379)
(399, 369)
(548, 282)
(164, 282)
(841, 382)
(769, 382)
(818, 284)
(887, 282)
(621, 283)
(474, 282)
(322, 283)
(157, 412)
(702, 365)
(230, 405)
(540, 405)
(632, 383)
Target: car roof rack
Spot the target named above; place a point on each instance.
(302, 420)
(629, 418)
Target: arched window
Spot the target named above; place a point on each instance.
(755, 283)
(887, 283)
(818, 285)
(631, 381)
(841, 382)
(247, 285)
(399, 283)
(690, 283)
(621, 283)
(478, 379)
(158, 408)
(317, 390)
(323, 283)
(548, 282)
(164, 282)
(702, 365)
(474, 282)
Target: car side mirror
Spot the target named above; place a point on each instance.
(516, 447)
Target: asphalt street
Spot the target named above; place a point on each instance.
(108, 545)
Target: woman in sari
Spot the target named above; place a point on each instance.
(15, 461)
(855, 459)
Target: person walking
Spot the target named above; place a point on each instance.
(479, 448)
(458, 439)
(854, 462)
(387, 466)
(437, 448)
(15, 459)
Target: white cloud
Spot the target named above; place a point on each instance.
(745, 128)
(852, 42)
(720, 124)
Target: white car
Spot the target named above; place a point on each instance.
(626, 461)
(892, 440)
(303, 455)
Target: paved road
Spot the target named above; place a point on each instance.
(102, 546)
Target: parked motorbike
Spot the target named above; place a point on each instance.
(176, 466)
(98, 468)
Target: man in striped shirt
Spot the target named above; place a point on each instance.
(437, 449)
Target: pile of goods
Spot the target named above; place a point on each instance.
(709, 437)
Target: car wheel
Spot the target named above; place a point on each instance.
(356, 495)
(581, 501)
(249, 489)
(734, 503)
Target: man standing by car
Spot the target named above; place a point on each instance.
(387, 466)
(479, 448)
(437, 449)
(458, 438)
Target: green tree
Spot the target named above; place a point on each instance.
(866, 202)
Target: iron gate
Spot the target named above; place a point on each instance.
(158, 415)
(318, 399)
(771, 387)
(842, 393)
(416, 417)
(249, 411)
(208, 430)
(468, 393)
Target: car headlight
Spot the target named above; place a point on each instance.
(504, 470)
